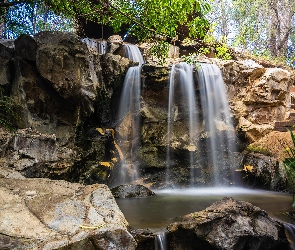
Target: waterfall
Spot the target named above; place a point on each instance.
(204, 112)
(181, 77)
(217, 120)
(102, 47)
(160, 241)
(97, 46)
(129, 117)
(170, 120)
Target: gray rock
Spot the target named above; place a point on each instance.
(131, 191)
(46, 214)
(227, 224)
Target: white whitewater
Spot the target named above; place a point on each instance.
(160, 242)
(217, 119)
(170, 120)
(211, 101)
(102, 47)
(129, 116)
(97, 46)
(181, 75)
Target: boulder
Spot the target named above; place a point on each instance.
(131, 191)
(47, 214)
(227, 224)
(145, 239)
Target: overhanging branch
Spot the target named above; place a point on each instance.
(4, 4)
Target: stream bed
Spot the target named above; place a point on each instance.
(156, 212)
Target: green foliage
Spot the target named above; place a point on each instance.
(192, 59)
(223, 52)
(8, 115)
(160, 50)
(262, 27)
(145, 18)
(161, 17)
(220, 48)
(289, 164)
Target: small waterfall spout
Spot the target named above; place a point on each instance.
(217, 120)
(160, 241)
(97, 46)
(129, 117)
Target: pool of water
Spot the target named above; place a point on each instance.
(158, 211)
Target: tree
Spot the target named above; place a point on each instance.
(144, 18)
(31, 17)
(265, 27)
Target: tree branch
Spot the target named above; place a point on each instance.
(4, 4)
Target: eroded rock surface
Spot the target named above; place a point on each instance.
(258, 96)
(227, 224)
(47, 214)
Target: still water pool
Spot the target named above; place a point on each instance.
(158, 211)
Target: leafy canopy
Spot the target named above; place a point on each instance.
(143, 18)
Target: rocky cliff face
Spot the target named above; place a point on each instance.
(64, 90)
(69, 97)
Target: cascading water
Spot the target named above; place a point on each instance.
(98, 46)
(217, 120)
(182, 74)
(102, 47)
(160, 241)
(129, 117)
(209, 119)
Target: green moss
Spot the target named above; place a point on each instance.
(257, 149)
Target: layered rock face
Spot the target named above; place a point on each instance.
(258, 96)
(69, 96)
(64, 91)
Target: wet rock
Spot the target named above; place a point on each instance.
(227, 224)
(145, 239)
(262, 171)
(131, 191)
(46, 214)
(115, 42)
(59, 83)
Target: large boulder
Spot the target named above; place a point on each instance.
(47, 214)
(227, 224)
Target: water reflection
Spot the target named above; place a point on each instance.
(158, 211)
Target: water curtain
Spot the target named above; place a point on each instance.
(129, 117)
